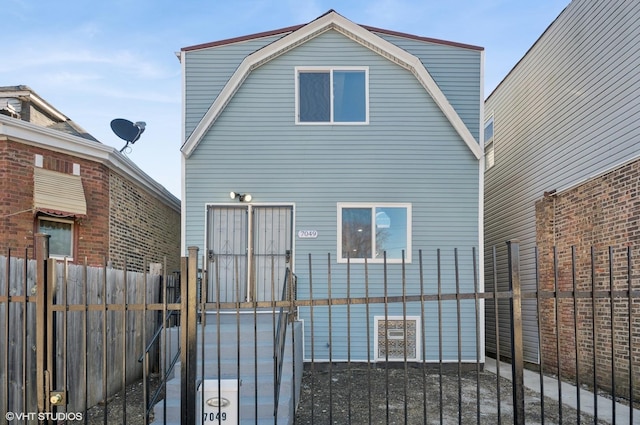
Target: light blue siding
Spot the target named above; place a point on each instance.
(208, 70)
(462, 86)
(408, 153)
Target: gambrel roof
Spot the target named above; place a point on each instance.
(302, 34)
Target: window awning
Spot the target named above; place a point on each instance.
(58, 194)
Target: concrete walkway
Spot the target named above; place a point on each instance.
(569, 395)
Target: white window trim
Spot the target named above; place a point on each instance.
(373, 205)
(330, 69)
(489, 144)
(73, 230)
(489, 155)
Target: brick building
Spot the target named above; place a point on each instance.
(562, 172)
(95, 203)
(591, 233)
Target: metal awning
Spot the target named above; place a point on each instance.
(58, 193)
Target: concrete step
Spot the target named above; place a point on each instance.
(228, 366)
(246, 401)
(230, 350)
(228, 369)
(247, 409)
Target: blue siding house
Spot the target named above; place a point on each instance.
(346, 142)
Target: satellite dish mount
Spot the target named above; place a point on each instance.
(127, 131)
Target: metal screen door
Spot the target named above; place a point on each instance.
(248, 247)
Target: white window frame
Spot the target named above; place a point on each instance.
(330, 69)
(373, 206)
(489, 147)
(73, 230)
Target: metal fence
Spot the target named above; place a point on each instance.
(382, 344)
(450, 380)
(73, 336)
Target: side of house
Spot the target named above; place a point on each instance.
(566, 113)
(387, 159)
(93, 201)
(594, 222)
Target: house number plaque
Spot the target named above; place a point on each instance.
(307, 234)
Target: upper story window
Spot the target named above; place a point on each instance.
(61, 236)
(332, 95)
(489, 158)
(370, 230)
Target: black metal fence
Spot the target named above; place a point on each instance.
(381, 343)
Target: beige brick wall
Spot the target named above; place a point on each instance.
(141, 227)
(601, 213)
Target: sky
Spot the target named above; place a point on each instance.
(95, 61)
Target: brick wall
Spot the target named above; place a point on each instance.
(593, 223)
(18, 218)
(141, 227)
(16, 186)
(123, 219)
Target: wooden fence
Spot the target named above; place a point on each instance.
(93, 364)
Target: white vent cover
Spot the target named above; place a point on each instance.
(391, 333)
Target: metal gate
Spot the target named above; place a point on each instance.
(248, 247)
(47, 361)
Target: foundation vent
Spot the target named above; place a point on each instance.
(392, 334)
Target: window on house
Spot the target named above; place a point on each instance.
(488, 156)
(489, 159)
(61, 236)
(329, 95)
(370, 230)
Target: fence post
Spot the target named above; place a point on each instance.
(188, 318)
(517, 362)
(42, 255)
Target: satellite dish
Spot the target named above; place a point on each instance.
(127, 131)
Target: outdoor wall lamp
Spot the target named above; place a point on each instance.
(245, 197)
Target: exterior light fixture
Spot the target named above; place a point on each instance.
(245, 197)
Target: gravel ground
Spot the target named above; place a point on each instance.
(346, 400)
(135, 410)
(359, 396)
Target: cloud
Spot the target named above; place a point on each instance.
(109, 63)
(127, 92)
(68, 77)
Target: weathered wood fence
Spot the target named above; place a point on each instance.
(96, 348)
